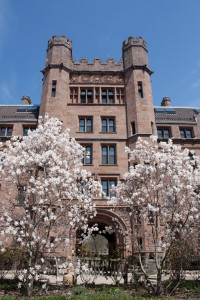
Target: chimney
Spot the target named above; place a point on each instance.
(166, 101)
(26, 100)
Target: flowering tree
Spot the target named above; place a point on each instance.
(48, 195)
(160, 192)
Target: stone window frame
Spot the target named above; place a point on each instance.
(108, 158)
(53, 88)
(87, 159)
(165, 132)
(26, 128)
(140, 89)
(107, 127)
(85, 127)
(88, 96)
(186, 132)
(108, 95)
(6, 133)
(108, 181)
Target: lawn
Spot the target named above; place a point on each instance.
(189, 290)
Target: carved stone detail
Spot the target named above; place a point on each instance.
(97, 79)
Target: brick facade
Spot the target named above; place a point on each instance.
(107, 106)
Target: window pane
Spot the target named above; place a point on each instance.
(104, 155)
(182, 132)
(140, 89)
(53, 89)
(25, 133)
(9, 131)
(104, 99)
(3, 131)
(83, 96)
(166, 133)
(88, 157)
(89, 125)
(105, 187)
(90, 96)
(111, 96)
(113, 183)
(188, 133)
(81, 125)
(104, 125)
(112, 155)
(160, 133)
(111, 125)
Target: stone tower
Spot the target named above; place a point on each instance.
(138, 93)
(55, 91)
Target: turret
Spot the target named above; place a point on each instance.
(140, 111)
(135, 52)
(55, 91)
(59, 51)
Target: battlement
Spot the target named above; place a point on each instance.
(134, 41)
(63, 40)
(97, 65)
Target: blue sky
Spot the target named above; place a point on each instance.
(171, 29)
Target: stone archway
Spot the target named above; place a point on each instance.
(109, 236)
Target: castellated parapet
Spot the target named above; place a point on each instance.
(134, 41)
(97, 65)
(63, 40)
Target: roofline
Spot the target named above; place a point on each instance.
(17, 105)
(191, 107)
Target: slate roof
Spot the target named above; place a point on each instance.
(186, 115)
(19, 113)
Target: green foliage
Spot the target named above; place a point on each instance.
(191, 285)
(13, 257)
(8, 284)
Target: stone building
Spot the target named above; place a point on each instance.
(107, 106)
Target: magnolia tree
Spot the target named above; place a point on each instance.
(160, 193)
(49, 195)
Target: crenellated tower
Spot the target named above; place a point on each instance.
(55, 91)
(138, 92)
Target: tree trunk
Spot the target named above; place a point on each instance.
(159, 282)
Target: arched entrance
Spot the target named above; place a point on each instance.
(108, 240)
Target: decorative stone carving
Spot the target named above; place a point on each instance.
(95, 79)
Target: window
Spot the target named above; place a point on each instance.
(137, 216)
(85, 124)
(52, 239)
(140, 242)
(186, 133)
(163, 133)
(74, 95)
(150, 217)
(107, 185)
(120, 95)
(108, 125)
(6, 131)
(86, 95)
(140, 89)
(133, 128)
(87, 159)
(53, 88)
(26, 129)
(107, 96)
(21, 196)
(108, 155)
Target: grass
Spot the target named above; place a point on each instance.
(98, 293)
